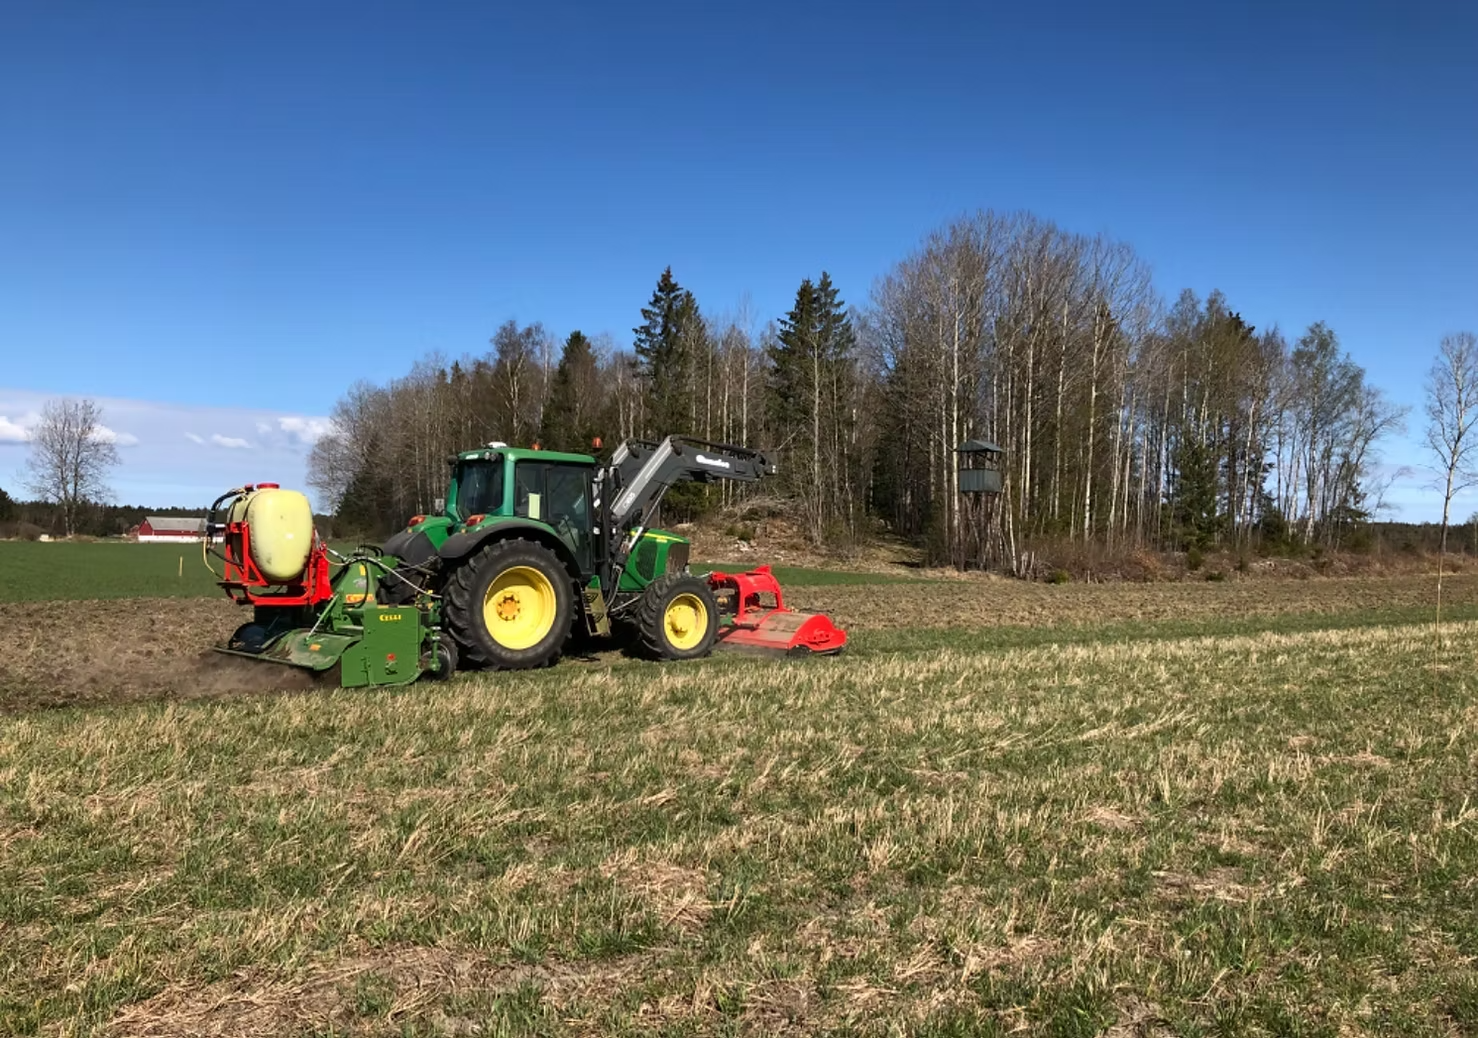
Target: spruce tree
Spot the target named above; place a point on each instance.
(664, 350)
(810, 390)
(572, 410)
(1195, 503)
(367, 507)
(791, 360)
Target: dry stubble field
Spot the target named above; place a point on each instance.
(1128, 809)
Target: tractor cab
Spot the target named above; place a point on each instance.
(498, 485)
(569, 496)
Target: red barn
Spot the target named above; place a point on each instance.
(159, 528)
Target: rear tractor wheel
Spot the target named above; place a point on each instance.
(510, 606)
(677, 618)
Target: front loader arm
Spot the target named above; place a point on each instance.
(645, 471)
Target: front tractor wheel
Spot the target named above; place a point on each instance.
(510, 606)
(678, 618)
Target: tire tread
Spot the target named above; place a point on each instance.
(461, 617)
(652, 608)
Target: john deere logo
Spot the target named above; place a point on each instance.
(388, 618)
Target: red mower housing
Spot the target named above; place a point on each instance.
(758, 619)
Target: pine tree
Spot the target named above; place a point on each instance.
(792, 353)
(810, 393)
(571, 414)
(7, 507)
(1196, 496)
(664, 349)
(367, 507)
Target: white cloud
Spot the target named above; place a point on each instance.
(106, 435)
(14, 431)
(306, 431)
(18, 430)
(176, 460)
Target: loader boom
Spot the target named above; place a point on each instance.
(644, 471)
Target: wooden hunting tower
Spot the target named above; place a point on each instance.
(979, 486)
(980, 467)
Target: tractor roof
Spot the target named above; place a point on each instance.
(521, 453)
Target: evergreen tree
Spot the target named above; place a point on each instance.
(664, 349)
(810, 397)
(571, 415)
(792, 354)
(7, 507)
(1195, 503)
(367, 507)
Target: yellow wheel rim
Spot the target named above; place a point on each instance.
(686, 621)
(519, 607)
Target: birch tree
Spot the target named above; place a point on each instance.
(72, 453)
(1452, 410)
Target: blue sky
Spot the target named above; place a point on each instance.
(268, 201)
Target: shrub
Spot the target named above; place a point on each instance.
(1242, 564)
(1059, 576)
(1193, 559)
(740, 532)
(1216, 576)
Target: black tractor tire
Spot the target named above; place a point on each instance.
(467, 592)
(446, 648)
(657, 639)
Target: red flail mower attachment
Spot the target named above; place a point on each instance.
(757, 618)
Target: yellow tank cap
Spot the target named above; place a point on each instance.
(281, 524)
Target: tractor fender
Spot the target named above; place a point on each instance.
(461, 545)
(412, 547)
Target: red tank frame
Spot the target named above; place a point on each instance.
(242, 575)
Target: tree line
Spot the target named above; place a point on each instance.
(1122, 419)
(27, 519)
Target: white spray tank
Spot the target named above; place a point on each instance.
(280, 525)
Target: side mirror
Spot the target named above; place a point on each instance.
(439, 505)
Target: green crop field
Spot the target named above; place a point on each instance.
(32, 571)
(1240, 808)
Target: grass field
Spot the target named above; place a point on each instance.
(1187, 809)
(31, 571)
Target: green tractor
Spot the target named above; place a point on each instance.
(529, 548)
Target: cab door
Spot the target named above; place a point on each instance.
(560, 496)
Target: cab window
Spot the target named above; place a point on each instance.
(480, 488)
(567, 488)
